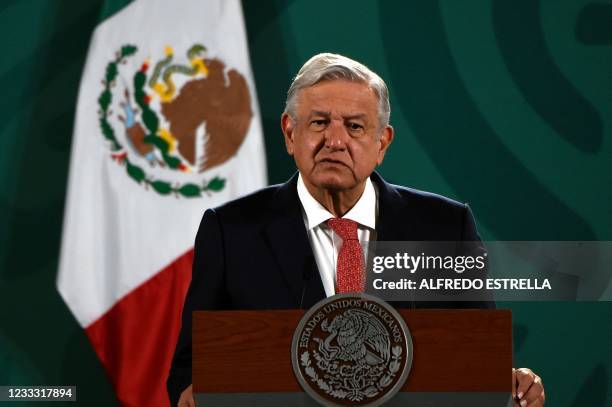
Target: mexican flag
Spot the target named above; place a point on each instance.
(167, 125)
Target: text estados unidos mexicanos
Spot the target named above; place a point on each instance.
(410, 263)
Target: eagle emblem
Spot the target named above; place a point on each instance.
(359, 338)
(173, 119)
(352, 349)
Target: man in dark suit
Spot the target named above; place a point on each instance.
(277, 249)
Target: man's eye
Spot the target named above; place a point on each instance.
(319, 123)
(355, 126)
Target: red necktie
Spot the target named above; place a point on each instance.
(350, 274)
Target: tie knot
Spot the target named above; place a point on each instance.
(345, 228)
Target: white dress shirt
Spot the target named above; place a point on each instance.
(324, 241)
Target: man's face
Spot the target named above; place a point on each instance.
(336, 139)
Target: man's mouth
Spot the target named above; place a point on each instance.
(331, 161)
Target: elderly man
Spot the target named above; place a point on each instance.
(279, 247)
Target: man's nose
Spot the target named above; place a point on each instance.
(336, 135)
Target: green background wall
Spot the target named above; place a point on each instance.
(506, 105)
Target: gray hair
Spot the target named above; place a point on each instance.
(326, 66)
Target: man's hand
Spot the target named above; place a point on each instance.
(527, 388)
(186, 399)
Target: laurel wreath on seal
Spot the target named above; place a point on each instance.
(187, 190)
(354, 394)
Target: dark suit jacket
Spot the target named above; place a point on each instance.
(254, 253)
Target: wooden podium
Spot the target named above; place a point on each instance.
(463, 356)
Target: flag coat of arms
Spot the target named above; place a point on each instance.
(167, 125)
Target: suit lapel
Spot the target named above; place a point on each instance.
(394, 222)
(286, 236)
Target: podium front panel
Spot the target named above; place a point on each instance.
(459, 354)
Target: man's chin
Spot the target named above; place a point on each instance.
(334, 183)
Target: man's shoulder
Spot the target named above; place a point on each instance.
(255, 206)
(413, 197)
(425, 215)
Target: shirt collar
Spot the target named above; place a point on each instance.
(364, 211)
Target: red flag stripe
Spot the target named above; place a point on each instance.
(135, 339)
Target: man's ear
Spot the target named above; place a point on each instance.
(385, 140)
(288, 127)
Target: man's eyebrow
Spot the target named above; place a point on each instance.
(324, 113)
(319, 113)
(361, 116)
